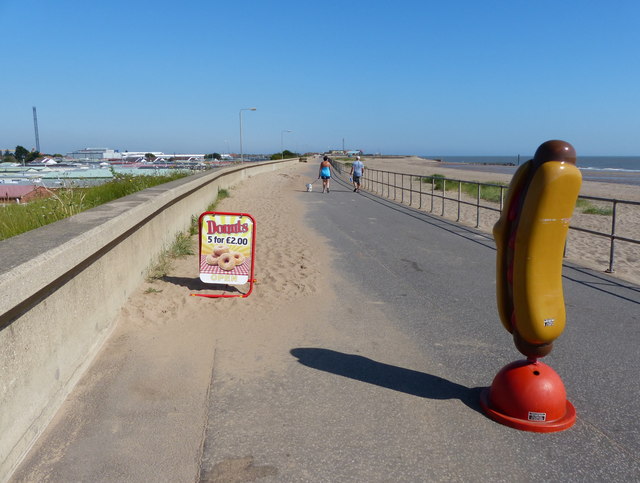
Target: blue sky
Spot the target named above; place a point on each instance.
(404, 77)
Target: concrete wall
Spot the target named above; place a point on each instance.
(62, 286)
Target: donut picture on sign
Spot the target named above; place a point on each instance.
(226, 247)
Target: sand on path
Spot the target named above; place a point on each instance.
(141, 408)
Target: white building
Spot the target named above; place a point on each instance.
(94, 154)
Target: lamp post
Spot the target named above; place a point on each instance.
(241, 152)
(281, 142)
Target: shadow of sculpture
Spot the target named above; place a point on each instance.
(385, 375)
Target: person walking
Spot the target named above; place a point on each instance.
(325, 173)
(357, 171)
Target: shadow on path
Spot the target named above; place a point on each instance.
(384, 375)
(197, 284)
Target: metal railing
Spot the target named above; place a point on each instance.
(612, 236)
(409, 189)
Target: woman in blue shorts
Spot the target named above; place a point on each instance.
(325, 173)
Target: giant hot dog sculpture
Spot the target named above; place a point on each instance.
(530, 237)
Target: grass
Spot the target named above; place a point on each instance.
(182, 246)
(588, 208)
(487, 193)
(222, 194)
(20, 218)
(492, 193)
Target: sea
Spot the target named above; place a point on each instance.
(606, 169)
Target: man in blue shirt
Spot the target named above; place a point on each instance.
(357, 170)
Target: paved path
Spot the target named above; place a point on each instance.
(383, 384)
(397, 399)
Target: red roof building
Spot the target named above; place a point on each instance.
(21, 193)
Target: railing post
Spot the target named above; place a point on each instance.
(478, 208)
(444, 190)
(410, 190)
(389, 186)
(501, 198)
(394, 186)
(420, 186)
(402, 188)
(613, 239)
(433, 187)
(383, 185)
(459, 198)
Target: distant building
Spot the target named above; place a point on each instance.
(95, 154)
(21, 193)
(179, 157)
(105, 154)
(340, 152)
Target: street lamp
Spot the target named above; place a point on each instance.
(281, 143)
(241, 153)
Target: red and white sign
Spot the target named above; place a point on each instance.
(227, 248)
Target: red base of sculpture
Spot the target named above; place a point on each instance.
(530, 396)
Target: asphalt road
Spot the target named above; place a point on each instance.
(396, 399)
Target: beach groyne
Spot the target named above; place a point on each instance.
(64, 284)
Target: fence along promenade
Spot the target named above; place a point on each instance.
(409, 189)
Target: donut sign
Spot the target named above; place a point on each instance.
(227, 248)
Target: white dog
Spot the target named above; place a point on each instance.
(309, 187)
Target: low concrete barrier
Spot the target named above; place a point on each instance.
(62, 286)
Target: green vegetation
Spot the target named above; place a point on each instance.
(437, 180)
(63, 203)
(588, 208)
(181, 247)
(487, 193)
(286, 154)
(21, 155)
(213, 156)
(222, 194)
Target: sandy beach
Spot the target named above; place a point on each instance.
(582, 248)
